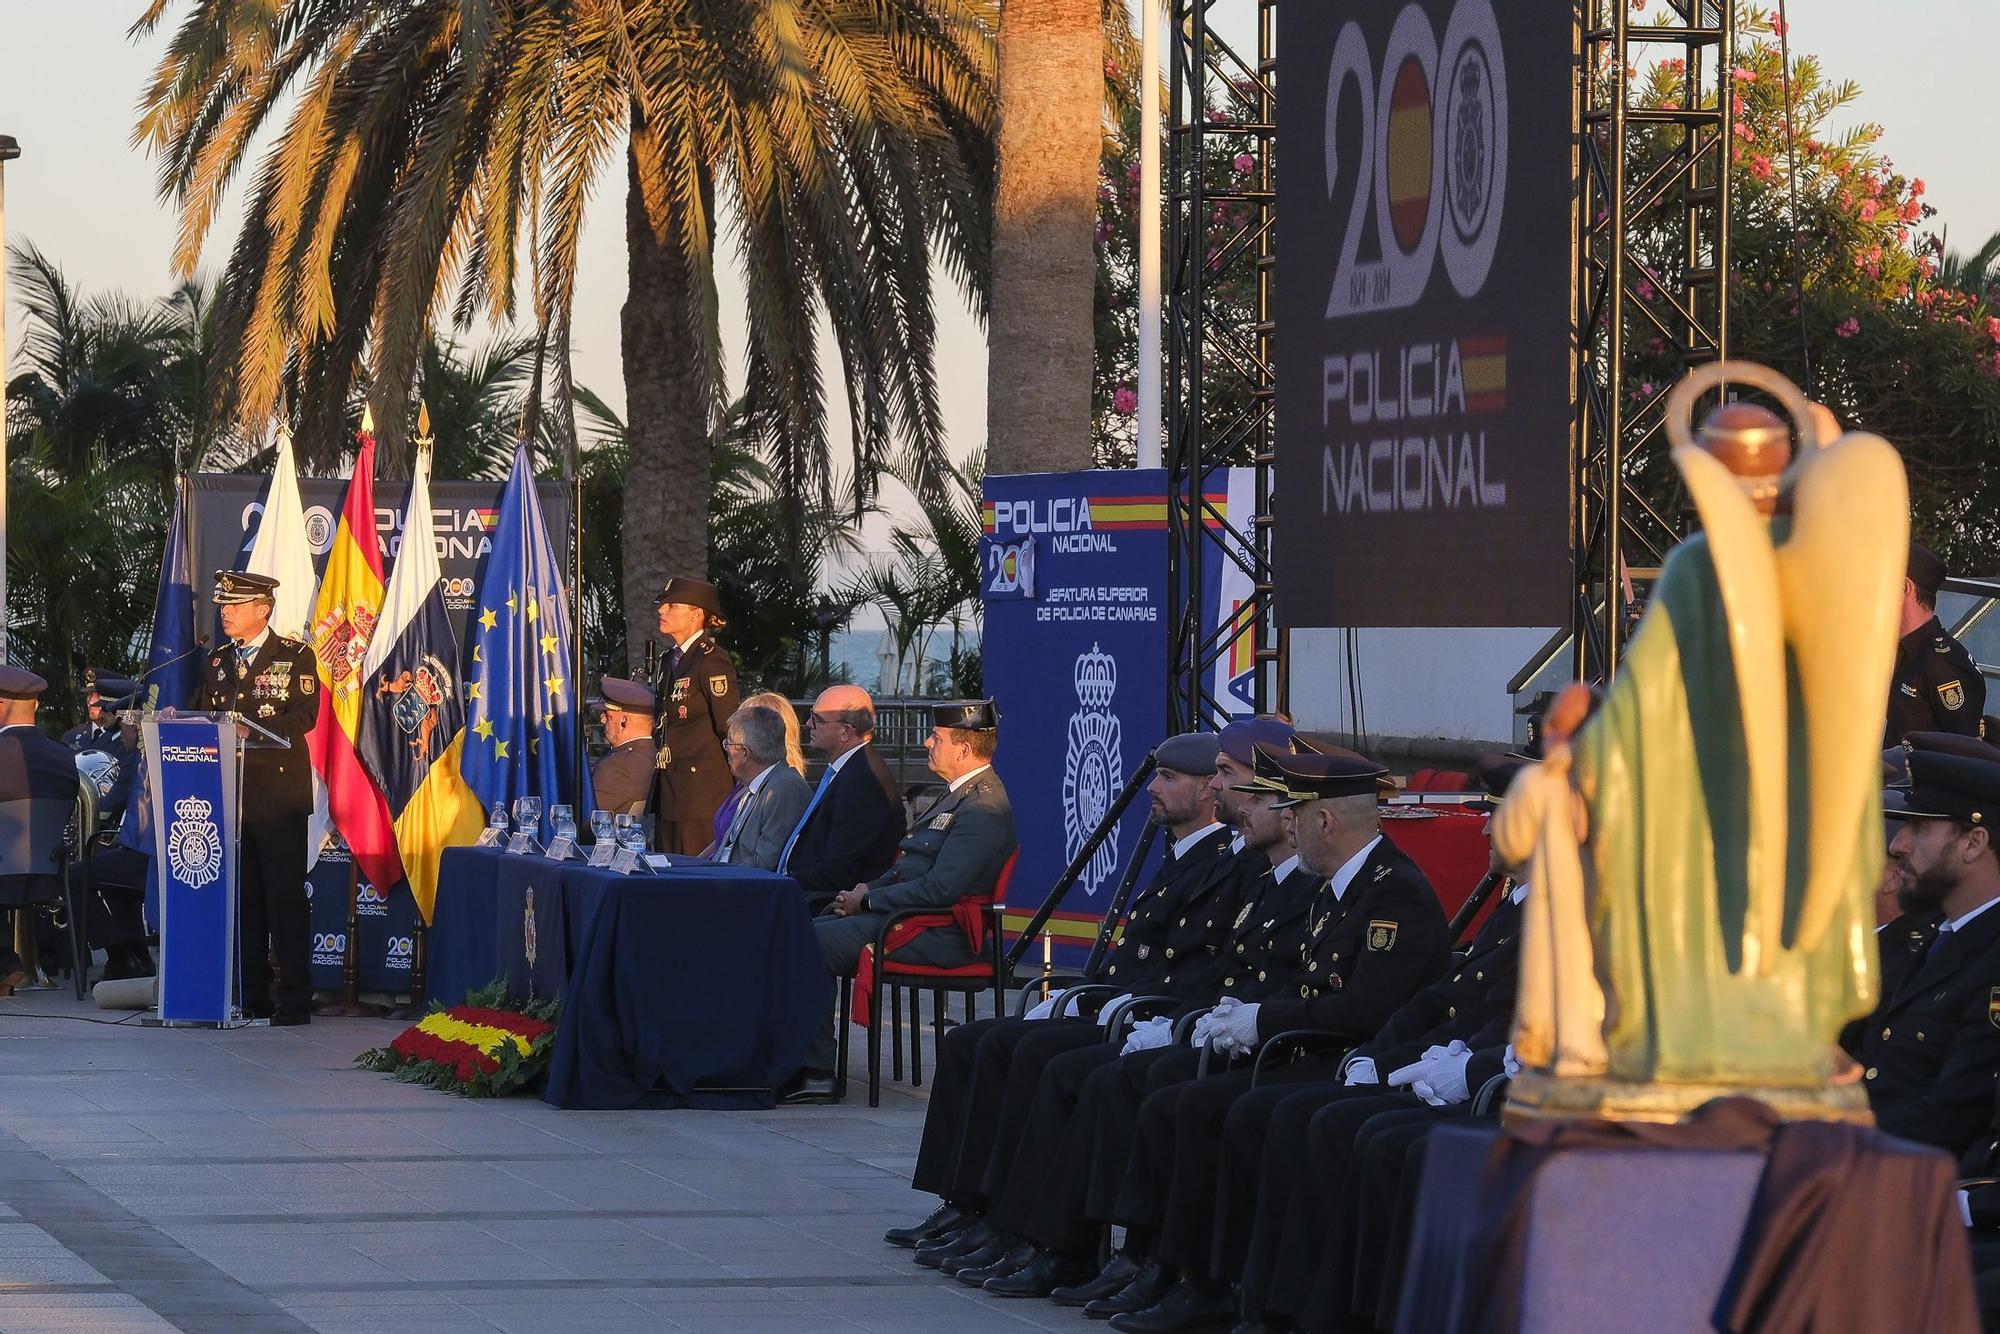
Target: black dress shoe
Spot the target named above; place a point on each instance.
(290, 1018)
(1185, 1308)
(1153, 1281)
(958, 1245)
(1017, 1255)
(1048, 1272)
(943, 1219)
(807, 1090)
(1118, 1271)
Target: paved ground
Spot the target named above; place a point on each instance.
(254, 1180)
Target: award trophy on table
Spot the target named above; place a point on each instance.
(562, 833)
(603, 836)
(527, 826)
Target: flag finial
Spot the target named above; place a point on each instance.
(423, 425)
(367, 420)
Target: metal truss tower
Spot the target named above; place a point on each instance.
(1221, 63)
(1651, 286)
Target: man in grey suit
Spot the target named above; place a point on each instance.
(955, 849)
(774, 796)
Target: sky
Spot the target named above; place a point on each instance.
(70, 79)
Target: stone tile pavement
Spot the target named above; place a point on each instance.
(154, 1179)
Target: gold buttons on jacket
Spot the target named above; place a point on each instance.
(1885, 1035)
(1871, 1073)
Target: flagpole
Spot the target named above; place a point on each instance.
(576, 626)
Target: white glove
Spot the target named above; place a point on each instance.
(1147, 1034)
(1510, 1063)
(1438, 1077)
(1232, 1027)
(1199, 1037)
(1119, 999)
(1965, 1206)
(1361, 1070)
(1042, 1011)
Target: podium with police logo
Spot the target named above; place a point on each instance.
(196, 763)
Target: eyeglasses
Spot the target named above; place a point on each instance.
(735, 745)
(816, 718)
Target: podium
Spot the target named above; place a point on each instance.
(196, 763)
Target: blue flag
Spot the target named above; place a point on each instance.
(173, 661)
(521, 690)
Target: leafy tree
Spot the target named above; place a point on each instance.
(424, 149)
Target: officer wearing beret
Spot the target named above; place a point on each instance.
(695, 694)
(955, 849)
(274, 682)
(623, 777)
(1929, 1051)
(1936, 686)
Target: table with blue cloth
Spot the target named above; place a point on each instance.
(695, 986)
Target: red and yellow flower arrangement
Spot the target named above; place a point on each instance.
(479, 1049)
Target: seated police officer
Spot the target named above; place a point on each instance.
(988, 1070)
(957, 850)
(622, 778)
(38, 788)
(1930, 1049)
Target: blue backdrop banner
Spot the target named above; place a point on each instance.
(195, 845)
(1075, 654)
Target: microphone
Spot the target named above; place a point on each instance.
(139, 682)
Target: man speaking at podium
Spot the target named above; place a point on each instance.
(274, 682)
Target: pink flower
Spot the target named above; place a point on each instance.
(1779, 26)
(1993, 329)
(1245, 164)
(1746, 75)
(1917, 188)
(1760, 166)
(1645, 290)
(1743, 131)
(1737, 104)
(1125, 401)
(1868, 210)
(1848, 327)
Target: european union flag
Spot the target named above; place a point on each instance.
(521, 692)
(172, 662)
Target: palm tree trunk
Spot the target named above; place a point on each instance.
(666, 425)
(1040, 342)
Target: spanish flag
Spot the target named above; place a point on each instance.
(343, 623)
(412, 712)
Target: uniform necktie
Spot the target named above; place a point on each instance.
(825, 782)
(1937, 942)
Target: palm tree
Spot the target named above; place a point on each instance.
(1056, 74)
(426, 147)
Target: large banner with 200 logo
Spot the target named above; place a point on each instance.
(1423, 309)
(1073, 580)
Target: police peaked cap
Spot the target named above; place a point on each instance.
(1241, 738)
(631, 696)
(1189, 753)
(109, 685)
(1951, 778)
(691, 593)
(1496, 774)
(237, 586)
(1265, 775)
(975, 715)
(1925, 570)
(1334, 772)
(20, 683)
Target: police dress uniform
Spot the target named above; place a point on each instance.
(1936, 686)
(622, 778)
(1930, 1049)
(276, 686)
(697, 693)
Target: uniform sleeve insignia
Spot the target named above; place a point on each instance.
(942, 821)
(308, 684)
(1993, 1006)
(1941, 645)
(1243, 917)
(1381, 936)
(718, 686)
(1381, 873)
(1952, 695)
(1145, 950)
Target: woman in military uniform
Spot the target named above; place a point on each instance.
(696, 690)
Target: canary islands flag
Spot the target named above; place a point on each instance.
(412, 719)
(520, 694)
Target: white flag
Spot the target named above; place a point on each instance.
(283, 551)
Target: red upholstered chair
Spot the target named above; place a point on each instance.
(979, 918)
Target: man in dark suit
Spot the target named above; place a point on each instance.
(696, 693)
(852, 824)
(622, 778)
(274, 682)
(1929, 1051)
(38, 788)
(956, 851)
(774, 794)
(988, 1071)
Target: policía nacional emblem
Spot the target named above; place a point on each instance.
(1381, 935)
(194, 845)
(1952, 694)
(1093, 769)
(529, 945)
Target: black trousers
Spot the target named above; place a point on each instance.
(272, 918)
(1041, 1198)
(1263, 1154)
(1170, 1180)
(970, 1090)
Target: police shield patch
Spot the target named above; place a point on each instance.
(1952, 695)
(718, 686)
(1381, 935)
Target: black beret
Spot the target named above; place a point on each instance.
(1926, 571)
(1189, 753)
(631, 696)
(977, 715)
(691, 593)
(234, 586)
